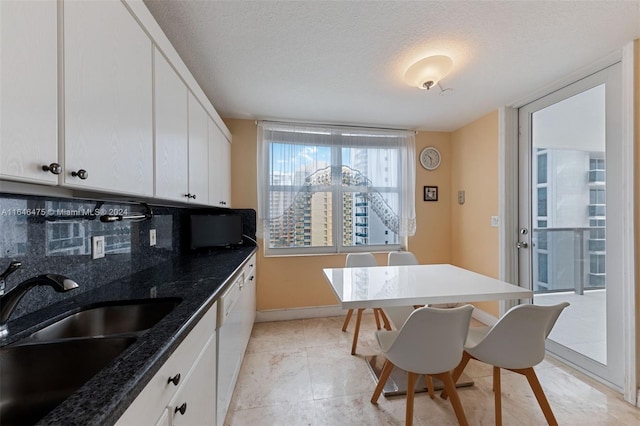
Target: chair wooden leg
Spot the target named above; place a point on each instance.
(530, 374)
(429, 382)
(376, 315)
(411, 387)
(347, 319)
(356, 331)
(497, 395)
(384, 376)
(450, 387)
(457, 372)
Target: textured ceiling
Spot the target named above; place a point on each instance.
(344, 61)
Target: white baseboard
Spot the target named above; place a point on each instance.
(484, 317)
(300, 313)
(336, 311)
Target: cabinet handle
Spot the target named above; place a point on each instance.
(54, 168)
(82, 174)
(175, 379)
(190, 195)
(181, 409)
(187, 195)
(193, 196)
(251, 279)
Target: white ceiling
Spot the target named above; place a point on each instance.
(344, 61)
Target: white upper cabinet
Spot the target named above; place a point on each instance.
(198, 153)
(172, 129)
(219, 167)
(108, 99)
(28, 90)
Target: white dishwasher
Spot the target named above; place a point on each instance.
(235, 322)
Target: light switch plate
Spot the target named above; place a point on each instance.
(495, 221)
(97, 247)
(152, 237)
(460, 197)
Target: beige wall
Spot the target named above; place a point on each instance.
(432, 242)
(637, 200)
(474, 243)
(295, 282)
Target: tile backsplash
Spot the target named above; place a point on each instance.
(53, 235)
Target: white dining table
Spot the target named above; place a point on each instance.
(383, 286)
(390, 286)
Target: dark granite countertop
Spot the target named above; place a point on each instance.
(197, 279)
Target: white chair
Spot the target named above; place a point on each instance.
(430, 342)
(401, 258)
(397, 315)
(515, 343)
(355, 260)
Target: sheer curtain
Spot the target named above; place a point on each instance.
(294, 159)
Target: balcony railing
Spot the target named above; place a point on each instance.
(564, 257)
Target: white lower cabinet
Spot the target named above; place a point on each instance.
(235, 321)
(187, 377)
(194, 404)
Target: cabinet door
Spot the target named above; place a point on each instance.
(219, 167)
(108, 99)
(172, 124)
(198, 152)
(226, 169)
(164, 419)
(28, 90)
(195, 403)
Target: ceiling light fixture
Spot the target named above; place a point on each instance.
(427, 72)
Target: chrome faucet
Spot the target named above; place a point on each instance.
(13, 266)
(10, 299)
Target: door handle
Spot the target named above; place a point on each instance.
(522, 244)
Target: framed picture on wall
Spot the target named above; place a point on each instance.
(431, 193)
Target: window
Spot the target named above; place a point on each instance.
(334, 189)
(542, 202)
(543, 268)
(542, 168)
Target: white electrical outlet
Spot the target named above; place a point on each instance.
(495, 221)
(152, 237)
(97, 247)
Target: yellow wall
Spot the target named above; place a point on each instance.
(474, 243)
(432, 242)
(295, 282)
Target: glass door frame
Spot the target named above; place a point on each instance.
(508, 194)
(611, 370)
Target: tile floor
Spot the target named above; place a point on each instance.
(301, 373)
(582, 326)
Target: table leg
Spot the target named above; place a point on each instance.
(397, 381)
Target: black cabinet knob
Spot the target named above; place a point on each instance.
(54, 168)
(181, 409)
(82, 174)
(175, 379)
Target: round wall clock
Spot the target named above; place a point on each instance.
(430, 158)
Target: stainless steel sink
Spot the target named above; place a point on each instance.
(108, 319)
(35, 378)
(38, 372)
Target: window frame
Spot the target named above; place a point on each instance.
(337, 191)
